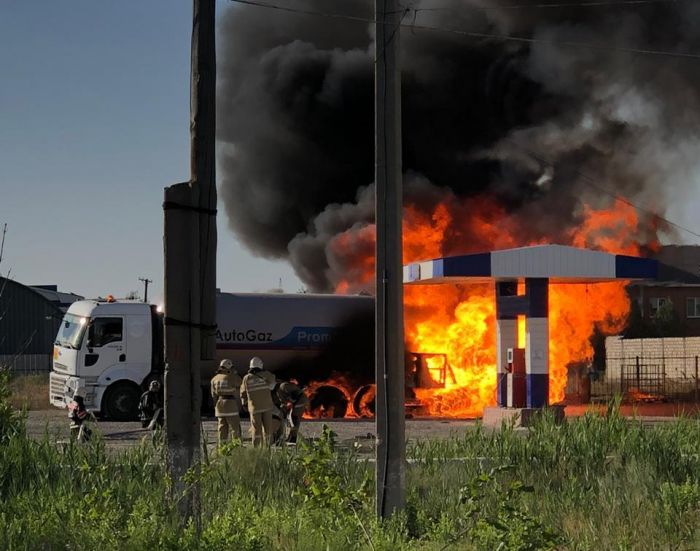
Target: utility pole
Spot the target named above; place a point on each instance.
(190, 271)
(390, 369)
(146, 281)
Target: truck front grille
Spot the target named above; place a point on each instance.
(57, 385)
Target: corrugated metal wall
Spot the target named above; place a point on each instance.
(28, 326)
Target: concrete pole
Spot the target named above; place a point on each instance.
(203, 167)
(190, 271)
(182, 399)
(390, 369)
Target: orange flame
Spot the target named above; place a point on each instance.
(522, 331)
(459, 320)
(338, 401)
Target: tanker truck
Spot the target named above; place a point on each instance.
(112, 349)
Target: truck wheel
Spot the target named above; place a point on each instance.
(121, 402)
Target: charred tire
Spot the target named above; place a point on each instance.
(121, 401)
(364, 400)
(329, 402)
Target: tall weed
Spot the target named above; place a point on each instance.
(599, 482)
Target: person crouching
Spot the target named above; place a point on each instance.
(78, 415)
(294, 402)
(151, 407)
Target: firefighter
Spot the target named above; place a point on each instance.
(151, 406)
(78, 415)
(256, 394)
(224, 391)
(278, 427)
(294, 403)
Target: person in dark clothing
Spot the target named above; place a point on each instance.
(293, 402)
(78, 415)
(151, 407)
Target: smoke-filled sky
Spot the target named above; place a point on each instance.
(534, 128)
(94, 123)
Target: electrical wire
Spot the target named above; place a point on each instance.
(481, 35)
(593, 182)
(595, 4)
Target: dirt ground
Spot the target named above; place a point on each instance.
(54, 422)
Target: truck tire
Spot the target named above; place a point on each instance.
(121, 401)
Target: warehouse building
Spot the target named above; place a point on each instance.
(29, 320)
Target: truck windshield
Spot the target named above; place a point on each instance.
(71, 331)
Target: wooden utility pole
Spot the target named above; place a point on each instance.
(146, 282)
(390, 369)
(190, 270)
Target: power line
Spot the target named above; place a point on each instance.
(473, 34)
(594, 184)
(594, 4)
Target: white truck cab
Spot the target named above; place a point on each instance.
(106, 348)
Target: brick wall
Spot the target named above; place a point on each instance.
(676, 355)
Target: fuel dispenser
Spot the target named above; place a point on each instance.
(516, 380)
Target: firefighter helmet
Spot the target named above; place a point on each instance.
(225, 366)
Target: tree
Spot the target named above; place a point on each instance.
(637, 327)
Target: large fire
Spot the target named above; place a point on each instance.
(459, 320)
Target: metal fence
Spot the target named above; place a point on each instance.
(648, 379)
(26, 364)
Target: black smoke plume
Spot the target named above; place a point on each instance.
(536, 127)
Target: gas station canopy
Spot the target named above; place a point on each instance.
(557, 263)
(523, 373)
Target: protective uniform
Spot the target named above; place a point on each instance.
(277, 427)
(294, 403)
(256, 393)
(224, 391)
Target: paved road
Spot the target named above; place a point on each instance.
(120, 435)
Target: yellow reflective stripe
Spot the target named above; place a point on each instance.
(255, 385)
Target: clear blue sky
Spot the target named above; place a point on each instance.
(94, 107)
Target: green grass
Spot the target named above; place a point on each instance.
(600, 482)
